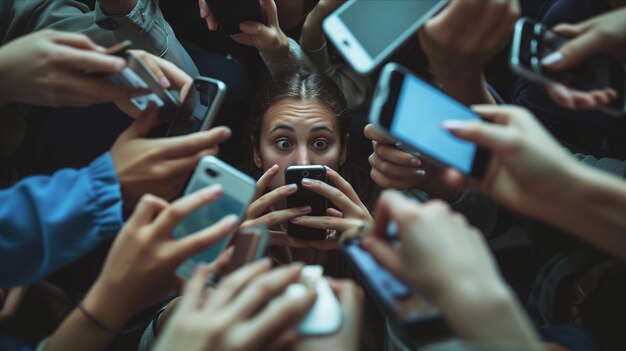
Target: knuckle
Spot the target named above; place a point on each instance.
(175, 213)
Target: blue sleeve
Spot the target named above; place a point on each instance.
(9, 343)
(48, 222)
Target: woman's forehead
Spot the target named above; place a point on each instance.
(299, 114)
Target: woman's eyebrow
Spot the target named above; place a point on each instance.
(321, 127)
(283, 126)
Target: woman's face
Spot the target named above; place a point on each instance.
(297, 132)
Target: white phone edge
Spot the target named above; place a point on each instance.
(355, 53)
(217, 102)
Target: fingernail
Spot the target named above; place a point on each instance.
(307, 181)
(294, 220)
(212, 189)
(202, 12)
(231, 219)
(291, 188)
(416, 162)
(553, 59)
(265, 261)
(100, 48)
(305, 209)
(274, 168)
(454, 125)
(119, 64)
(420, 172)
(165, 83)
(299, 264)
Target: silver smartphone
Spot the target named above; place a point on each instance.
(532, 41)
(200, 107)
(239, 190)
(368, 31)
(411, 111)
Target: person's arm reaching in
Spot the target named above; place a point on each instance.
(531, 173)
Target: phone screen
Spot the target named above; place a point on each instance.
(406, 303)
(419, 112)
(598, 72)
(392, 18)
(195, 109)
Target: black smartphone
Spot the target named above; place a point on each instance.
(304, 197)
(199, 108)
(411, 111)
(533, 41)
(409, 312)
(230, 13)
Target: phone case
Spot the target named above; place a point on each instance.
(304, 197)
(229, 14)
(204, 97)
(239, 189)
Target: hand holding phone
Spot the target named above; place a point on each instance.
(365, 46)
(249, 245)
(200, 107)
(411, 111)
(228, 14)
(597, 82)
(238, 190)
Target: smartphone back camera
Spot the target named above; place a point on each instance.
(211, 172)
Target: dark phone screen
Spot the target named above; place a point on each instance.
(407, 304)
(230, 13)
(598, 72)
(414, 115)
(304, 197)
(195, 108)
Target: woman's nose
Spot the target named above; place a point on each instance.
(303, 157)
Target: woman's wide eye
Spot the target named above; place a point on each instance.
(283, 144)
(320, 144)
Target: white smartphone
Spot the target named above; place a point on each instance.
(199, 108)
(411, 111)
(239, 189)
(532, 41)
(368, 31)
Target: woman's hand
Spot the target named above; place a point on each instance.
(393, 168)
(140, 268)
(244, 312)
(168, 75)
(159, 166)
(51, 68)
(604, 34)
(352, 212)
(258, 214)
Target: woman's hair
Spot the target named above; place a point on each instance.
(301, 85)
(310, 85)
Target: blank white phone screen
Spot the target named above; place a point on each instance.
(417, 121)
(377, 23)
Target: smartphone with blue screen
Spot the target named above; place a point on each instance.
(239, 190)
(412, 111)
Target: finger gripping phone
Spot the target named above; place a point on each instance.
(411, 111)
(533, 41)
(304, 197)
(239, 189)
(408, 311)
(200, 107)
(367, 32)
(230, 13)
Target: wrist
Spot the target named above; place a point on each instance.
(279, 52)
(469, 87)
(108, 310)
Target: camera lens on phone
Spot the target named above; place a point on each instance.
(305, 173)
(318, 174)
(210, 172)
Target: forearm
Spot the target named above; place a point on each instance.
(487, 314)
(469, 89)
(593, 209)
(312, 37)
(77, 332)
(118, 7)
